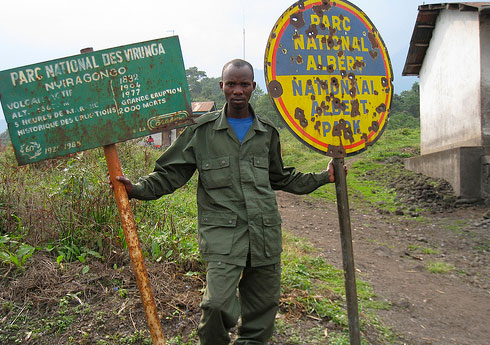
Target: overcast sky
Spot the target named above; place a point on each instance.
(210, 32)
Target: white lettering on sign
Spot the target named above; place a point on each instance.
(24, 103)
(112, 58)
(144, 51)
(25, 76)
(85, 63)
(71, 66)
(133, 54)
(85, 78)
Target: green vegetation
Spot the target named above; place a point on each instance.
(73, 216)
(405, 109)
(439, 267)
(368, 173)
(13, 252)
(57, 322)
(310, 285)
(204, 88)
(423, 250)
(430, 251)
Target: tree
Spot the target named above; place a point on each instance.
(407, 102)
(194, 77)
(411, 100)
(203, 88)
(405, 109)
(212, 92)
(263, 106)
(256, 95)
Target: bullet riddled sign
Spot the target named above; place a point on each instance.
(99, 98)
(329, 76)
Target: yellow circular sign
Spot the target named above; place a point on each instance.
(329, 75)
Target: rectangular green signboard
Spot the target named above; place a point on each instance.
(95, 99)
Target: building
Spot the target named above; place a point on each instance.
(450, 52)
(198, 108)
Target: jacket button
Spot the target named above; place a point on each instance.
(230, 221)
(207, 165)
(223, 162)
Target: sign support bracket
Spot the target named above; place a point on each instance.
(347, 251)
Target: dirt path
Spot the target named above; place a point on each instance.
(391, 253)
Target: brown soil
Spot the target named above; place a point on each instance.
(427, 308)
(106, 302)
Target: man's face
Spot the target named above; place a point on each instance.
(237, 85)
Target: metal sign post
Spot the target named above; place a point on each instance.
(329, 77)
(347, 251)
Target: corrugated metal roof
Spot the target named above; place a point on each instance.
(199, 107)
(425, 24)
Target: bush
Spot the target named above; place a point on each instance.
(402, 120)
(66, 207)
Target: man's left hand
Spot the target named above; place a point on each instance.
(331, 171)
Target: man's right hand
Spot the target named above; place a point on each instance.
(126, 182)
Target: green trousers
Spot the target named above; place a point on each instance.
(256, 301)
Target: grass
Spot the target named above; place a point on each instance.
(483, 246)
(439, 267)
(362, 187)
(430, 251)
(321, 291)
(23, 327)
(424, 250)
(456, 225)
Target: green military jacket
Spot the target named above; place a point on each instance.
(237, 208)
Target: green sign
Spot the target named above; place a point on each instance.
(95, 99)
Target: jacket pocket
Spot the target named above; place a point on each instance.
(261, 171)
(216, 232)
(216, 172)
(272, 234)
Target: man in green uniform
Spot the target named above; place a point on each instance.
(238, 156)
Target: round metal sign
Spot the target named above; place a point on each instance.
(329, 75)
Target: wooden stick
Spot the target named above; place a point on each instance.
(134, 247)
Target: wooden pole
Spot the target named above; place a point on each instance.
(347, 251)
(132, 240)
(134, 247)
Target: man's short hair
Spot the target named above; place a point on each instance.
(238, 63)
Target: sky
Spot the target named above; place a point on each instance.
(210, 32)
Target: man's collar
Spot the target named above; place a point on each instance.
(222, 123)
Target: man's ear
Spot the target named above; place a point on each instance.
(221, 84)
(255, 85)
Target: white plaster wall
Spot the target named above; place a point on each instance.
(485, 72)
(450, 84)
